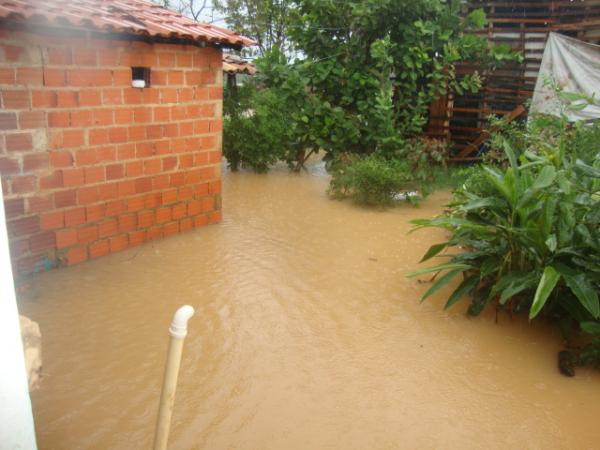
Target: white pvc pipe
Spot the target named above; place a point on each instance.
(178, 332)
(178, 328)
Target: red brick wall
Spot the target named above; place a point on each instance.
(89, 164)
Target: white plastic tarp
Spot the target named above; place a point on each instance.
(572, 66)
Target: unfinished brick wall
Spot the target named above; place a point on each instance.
(89, 164)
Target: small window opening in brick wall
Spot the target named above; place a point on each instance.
(140, 77)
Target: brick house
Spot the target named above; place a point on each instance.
(89, 163)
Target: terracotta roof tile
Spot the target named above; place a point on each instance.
(234, 64)
(121, 16)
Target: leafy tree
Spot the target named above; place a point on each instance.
(365, 71)
(383, 62)
(254, 136)
(265, 21)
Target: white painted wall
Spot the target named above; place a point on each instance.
(16, 419)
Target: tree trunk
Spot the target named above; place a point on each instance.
(301, 157)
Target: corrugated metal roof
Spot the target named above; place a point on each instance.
(119, 16)
(234, 64)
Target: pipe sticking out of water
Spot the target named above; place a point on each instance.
(178, 332)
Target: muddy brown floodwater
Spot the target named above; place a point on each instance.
(308, 335)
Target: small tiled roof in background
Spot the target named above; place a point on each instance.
(134, 17)
(233, 64)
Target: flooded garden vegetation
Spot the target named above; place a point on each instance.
(308, 334)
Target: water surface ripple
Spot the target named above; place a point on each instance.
(307, 336)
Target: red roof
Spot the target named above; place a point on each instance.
(234, 64)
(119, 16)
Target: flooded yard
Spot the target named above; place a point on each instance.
(307, 335)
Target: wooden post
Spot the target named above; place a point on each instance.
(471, 148)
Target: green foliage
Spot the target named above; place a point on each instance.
(254, 135)
(312, 123)
(371, 180)
(425, 156)
(366, 71)
(450, 177)
(376, 180)
(512, 133)
(383, 62)
(265, 21)
(529, 230)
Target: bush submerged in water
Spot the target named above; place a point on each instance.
(378, 180)
(371, 180)
(529, 232)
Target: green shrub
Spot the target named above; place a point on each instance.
(418, 165)
(584, 139)
(527, 234)
(370, 180)
(427, 158)
(256, 132)
(514, 133)
(425, 152)
(450, 177)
